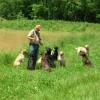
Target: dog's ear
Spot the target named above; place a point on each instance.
(76, 48)
(56, 48)
(86, 46)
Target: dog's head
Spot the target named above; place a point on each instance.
(56, 48)
(81, 51)
(87, 46)
(24, 51)
(54, 51)
(61, 53)
(48, 51)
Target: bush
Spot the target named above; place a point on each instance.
(39, 11)
(98, 18)
(10, 9)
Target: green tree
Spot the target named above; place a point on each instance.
(9, 9)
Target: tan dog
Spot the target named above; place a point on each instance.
(19, 59)
(83, 50)
(84, 53)
(61, 59)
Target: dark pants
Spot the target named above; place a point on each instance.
(33, 53)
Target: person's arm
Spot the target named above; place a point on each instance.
(40, 40)
(29, 36)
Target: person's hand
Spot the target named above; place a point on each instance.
(33, 40)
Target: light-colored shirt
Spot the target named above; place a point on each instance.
(35, 35)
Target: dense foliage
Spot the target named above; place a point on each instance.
(74, 10)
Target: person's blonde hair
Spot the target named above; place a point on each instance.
(38, 26)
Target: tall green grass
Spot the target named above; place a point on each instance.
(74, 82)
(50, 25)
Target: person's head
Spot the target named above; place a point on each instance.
(38, 28)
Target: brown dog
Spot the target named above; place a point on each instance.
(45, 60)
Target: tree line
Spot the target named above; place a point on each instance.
(72, 10)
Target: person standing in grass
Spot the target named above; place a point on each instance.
(34, 42)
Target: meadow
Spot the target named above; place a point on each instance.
(74, 82)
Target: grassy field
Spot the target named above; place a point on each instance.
(74, 82)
